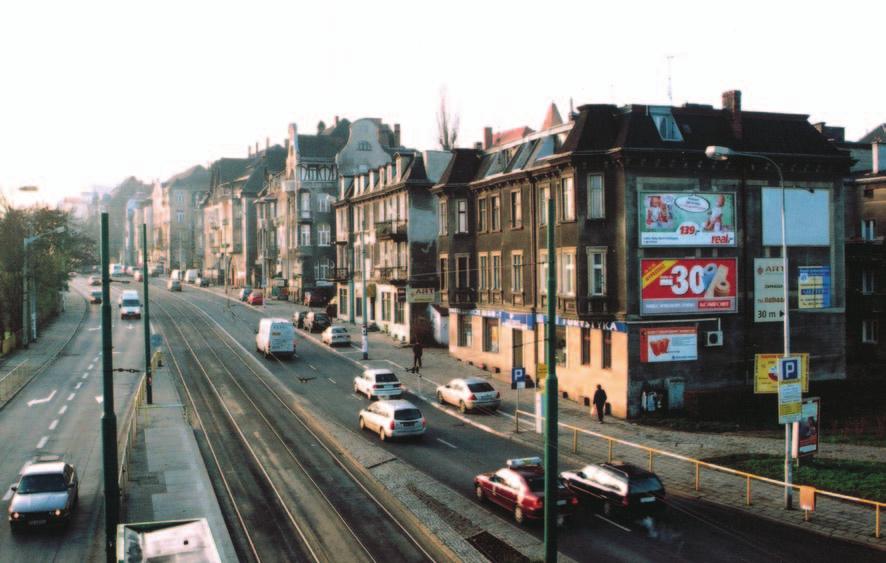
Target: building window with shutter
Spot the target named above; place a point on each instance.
(544, 196)
(496, 271)
(484, 272)
(443, 219)
(566, 273)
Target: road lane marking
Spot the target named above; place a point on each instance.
(63, 410)
(94, 329)
(442, 441)
(91, 366)
(79, 383)
(85, 375)
(42, 442)
(8, 494)
(395, 364)
(33, 402)
(330, 379)
(53, 424)
(71, 396)
(312, 367)
(617, 525)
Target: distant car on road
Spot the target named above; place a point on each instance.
(336, 336)
(298, 318)
(393, 419)
(137, 275)
(202, 281)
(94, 280)
(317, 322)
(174, 285)
(519, 487)
(244, 293)
(95, 296)
(469, 393)
(191, 276)
(378, 383)
(255, 298)
(616, 487)
(47, 493)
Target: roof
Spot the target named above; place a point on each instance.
(510, 135)
(45, 467)
(463, 166)
(374, 371)
(320, 146)
(877, 135)
(268, 162)
(552, 117)
(195, 177)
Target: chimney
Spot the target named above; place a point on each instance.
(875, 157)
(267, 143)
(336, 121)
(396, 134)
(256, 148)
(487, 137)
(732, 103)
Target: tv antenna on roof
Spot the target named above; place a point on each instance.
(670, 59)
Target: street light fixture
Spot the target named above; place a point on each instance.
(714, 152)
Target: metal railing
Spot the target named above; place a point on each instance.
(126, 438)
(12, 382)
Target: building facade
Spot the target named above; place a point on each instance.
(175, 204)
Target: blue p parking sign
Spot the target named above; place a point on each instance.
(518, 378)
(789, 369)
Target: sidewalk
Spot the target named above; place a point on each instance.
(589, 443)
(167, 476)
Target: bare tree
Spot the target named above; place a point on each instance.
(447, 125)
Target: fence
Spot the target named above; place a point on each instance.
(851, 515)
(126, 438)
(12, 382)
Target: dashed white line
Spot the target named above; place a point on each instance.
(330, 379)
(71, 396)
(312, 367)
(63, 410)
(617, 525)
(442, 441)
(79, 384)
(42, 442)
(91, 366)
(8, 494)
(85, 375)
(53, 424)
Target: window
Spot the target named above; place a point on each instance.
(543, 273)
(179, 197)
(481, 215)
(323, 202)
(358, 306)
(566, 273)
(595, 196)
(385, 305)
(870, 331)
(516, 272)
(305, 205)
(179, 217)
(461, 271)
(607, 350)
(324, 269)
(567, 199)
(465, 338)
(544, 196)
(516, 209)
(462, 216)
(444, 273)
(585, 346)
(665, 123)
(559, 344)
(484, 272)
(398, 311)
(304, 238)
(496, 272)
(364, 146)
(324, 234)
(867, 281)
(495, 203)
(869, 229)
(443, 219)
(490, 335)
(343, 301)
(596, 271)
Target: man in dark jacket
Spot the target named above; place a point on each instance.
(416, 356)
(600, 402)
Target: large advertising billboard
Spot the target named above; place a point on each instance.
(766, 372)
(686, 219)
(688, 285)
(668, 344)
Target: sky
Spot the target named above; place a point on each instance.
(92, 92)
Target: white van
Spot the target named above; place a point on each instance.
(129, 305)
(191, 276)
(275, 337)
(175, 275)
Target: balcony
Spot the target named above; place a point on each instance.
(340, 275)
(304, 216)
(462, 297)
(392, 275)
(394, 230)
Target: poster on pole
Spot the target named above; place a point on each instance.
(768, 290)
(807, 431)
(686, 219)
(814, 286)
(766, 372)
(668, 344)
(688, 285)
(790, 402)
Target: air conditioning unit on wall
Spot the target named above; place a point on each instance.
(713, 338)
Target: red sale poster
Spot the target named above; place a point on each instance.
(688, 285)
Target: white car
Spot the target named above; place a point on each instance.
(378, 383)
(336, 335)
(393, 419)
(469, 393)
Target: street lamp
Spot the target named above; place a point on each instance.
(29, 293)
(724, 153)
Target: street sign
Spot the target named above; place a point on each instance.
(789, 369)
(518, 378)
(790, 402)
(766, 372)
(768, 290)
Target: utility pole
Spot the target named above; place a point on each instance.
(365, 331)
(109, 419)
(551, 437)
(26, 305)
(149, 377)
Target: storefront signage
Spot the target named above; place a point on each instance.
(421, 295)
(686, 219)
(814, 284)
(688, 285)
(768, 290)
(766, 372)
(668, 344)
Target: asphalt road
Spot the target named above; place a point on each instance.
(453, 452)
(59, 414)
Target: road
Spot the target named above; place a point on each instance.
(453, 453)
(59, 414)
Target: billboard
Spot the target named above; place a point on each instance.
(807, 217)
(768, 290)
(814, 286)
(686, 219)
(688, 285)
(766, 372)
(668, 344)
(806, 431)
(421, 295)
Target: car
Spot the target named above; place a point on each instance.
(244, 293)
(129, 305)
(95, 296)
(275, 337)
(202, 281)
(137, 275)
(298, 318)
(255, 298)
(191, 276)
(469, 393)
(393, 419)
(156, 270)
(175, 275)
(318, 296)
(378, 383)
(519, 488)
(618, 488)
(94, 280)
(174, 285)
(317, 322)
(336, 335)
(47, 493)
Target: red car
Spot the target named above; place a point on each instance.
(520, 488)
(255, 298)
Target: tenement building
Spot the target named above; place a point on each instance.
(668, 263)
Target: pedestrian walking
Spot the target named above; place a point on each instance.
(599, 402)
(416, 356)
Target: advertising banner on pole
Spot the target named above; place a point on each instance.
(766, 372)
(686, 219)
(668, 344)
(688, 285)
(790, 402)
(421, 295)
(768, 290)
(806, 432)
(814, 286)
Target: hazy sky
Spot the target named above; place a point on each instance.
(92, 92)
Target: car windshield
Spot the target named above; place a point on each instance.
(536, 484)
(385, 377)
(642, 485)
(42, 483)
(131, 303)
(320, 317)
(339, 330)
(481, 387)
(407, 414)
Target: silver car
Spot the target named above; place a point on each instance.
(46, 494)
(469, 393)
(378, 383)
(393, 419)
(336, 335)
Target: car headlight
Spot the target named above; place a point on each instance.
(15, 515)
(57, 512)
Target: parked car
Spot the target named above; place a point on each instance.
(137, 275)
(519, 488)
(244, 293)
(202, 281)
(94, 280)
(469, 393)
(191, 276)
(317, 322)
(156, 270)
(618, 487)
(95, 296)
(47, 493)
(275, 337)
(318, 296)
(298, 318)
(129, 304)
(255, 298)
(174, 285)
(378, 383)
(393, 419)
(336, 336)
(175, 275)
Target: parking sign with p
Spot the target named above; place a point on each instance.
(789, 369)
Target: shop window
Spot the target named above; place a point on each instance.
(586, 346)
(465, 339)
(490, 335)
(607, 349)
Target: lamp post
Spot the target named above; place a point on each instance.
(29, 308)
(724, 153)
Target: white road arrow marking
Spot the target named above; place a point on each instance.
(40, 401)
(92, 365)
(71, 396)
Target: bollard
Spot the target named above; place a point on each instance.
(575, 441)
(650, 461)
(748, 491)
(877, 523)
(697, 477)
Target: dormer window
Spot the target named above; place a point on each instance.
(665, 123)
(364, 146)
